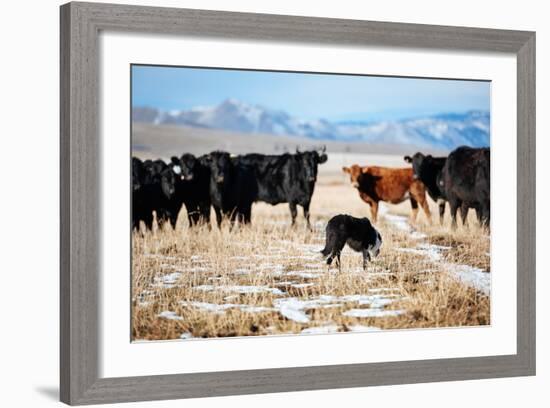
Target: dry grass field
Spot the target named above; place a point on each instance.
(269, 278)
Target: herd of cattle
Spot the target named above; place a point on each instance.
(231, 184)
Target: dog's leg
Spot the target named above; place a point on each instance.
(366, 258)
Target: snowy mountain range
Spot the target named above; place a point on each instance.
(444, 131)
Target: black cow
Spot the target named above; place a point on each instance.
(465, 181)
(428, 170)
(139, 209)
(358, 233)
(286, 178)
(193, 187)
(156, 191)
(232, 187)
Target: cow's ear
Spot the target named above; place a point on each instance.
(408, 159)
(174, 160)
(346, 170)
(322, 158)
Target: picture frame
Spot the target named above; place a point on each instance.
(80, 235)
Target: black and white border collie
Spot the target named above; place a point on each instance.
(358, 233)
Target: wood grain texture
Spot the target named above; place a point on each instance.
(526, 192)
(81, 235)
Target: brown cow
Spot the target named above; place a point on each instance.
(387, 184)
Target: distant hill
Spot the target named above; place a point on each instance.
(441, 132)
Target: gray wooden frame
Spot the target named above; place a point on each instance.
(80, 233)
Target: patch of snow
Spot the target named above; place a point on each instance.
(310, 247)
(292, 309)
(167, 281)
(221, 308)
(472, 276)
(469, 275)
(313, 265)
(231, 297)
(375, 301)
(418, 235)
(168, 266)
(399, 221)
(301, 285)
(197, 269)
(431, 253)
(303, 274)
(240, 289)
(372, 313)
(255, 309)
(167, 314)
(378, 290)
(402, 223)
(241, 271)
(186, 335)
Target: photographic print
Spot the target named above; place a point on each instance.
(294, 203)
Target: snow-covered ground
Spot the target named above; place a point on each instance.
(467, 274)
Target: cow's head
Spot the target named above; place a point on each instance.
(309, 161)
(419, 162)
(189, 165)
(152, 171)
(355, 171)
(168, 181)
(220, 165)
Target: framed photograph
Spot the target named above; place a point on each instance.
(261, 203)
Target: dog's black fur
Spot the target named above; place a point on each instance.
(358, 233)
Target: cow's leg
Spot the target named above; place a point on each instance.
(218, 212)
(414, 209)
(374, 210)
(306, 215)
(425, 207)
(366, 258)
(192, 214)
(441, 204)
(417, 193)
(338, 262)
(173, 219)
(247, 214)
(293, 212)
(479, 215)
(486, 214)
(148, 220)
(204, 209)
(160, 215)
(464, 214)
(190, 217)
(453, 204)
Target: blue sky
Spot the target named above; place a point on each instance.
(308, 96)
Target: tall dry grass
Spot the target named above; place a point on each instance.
(205, 282)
